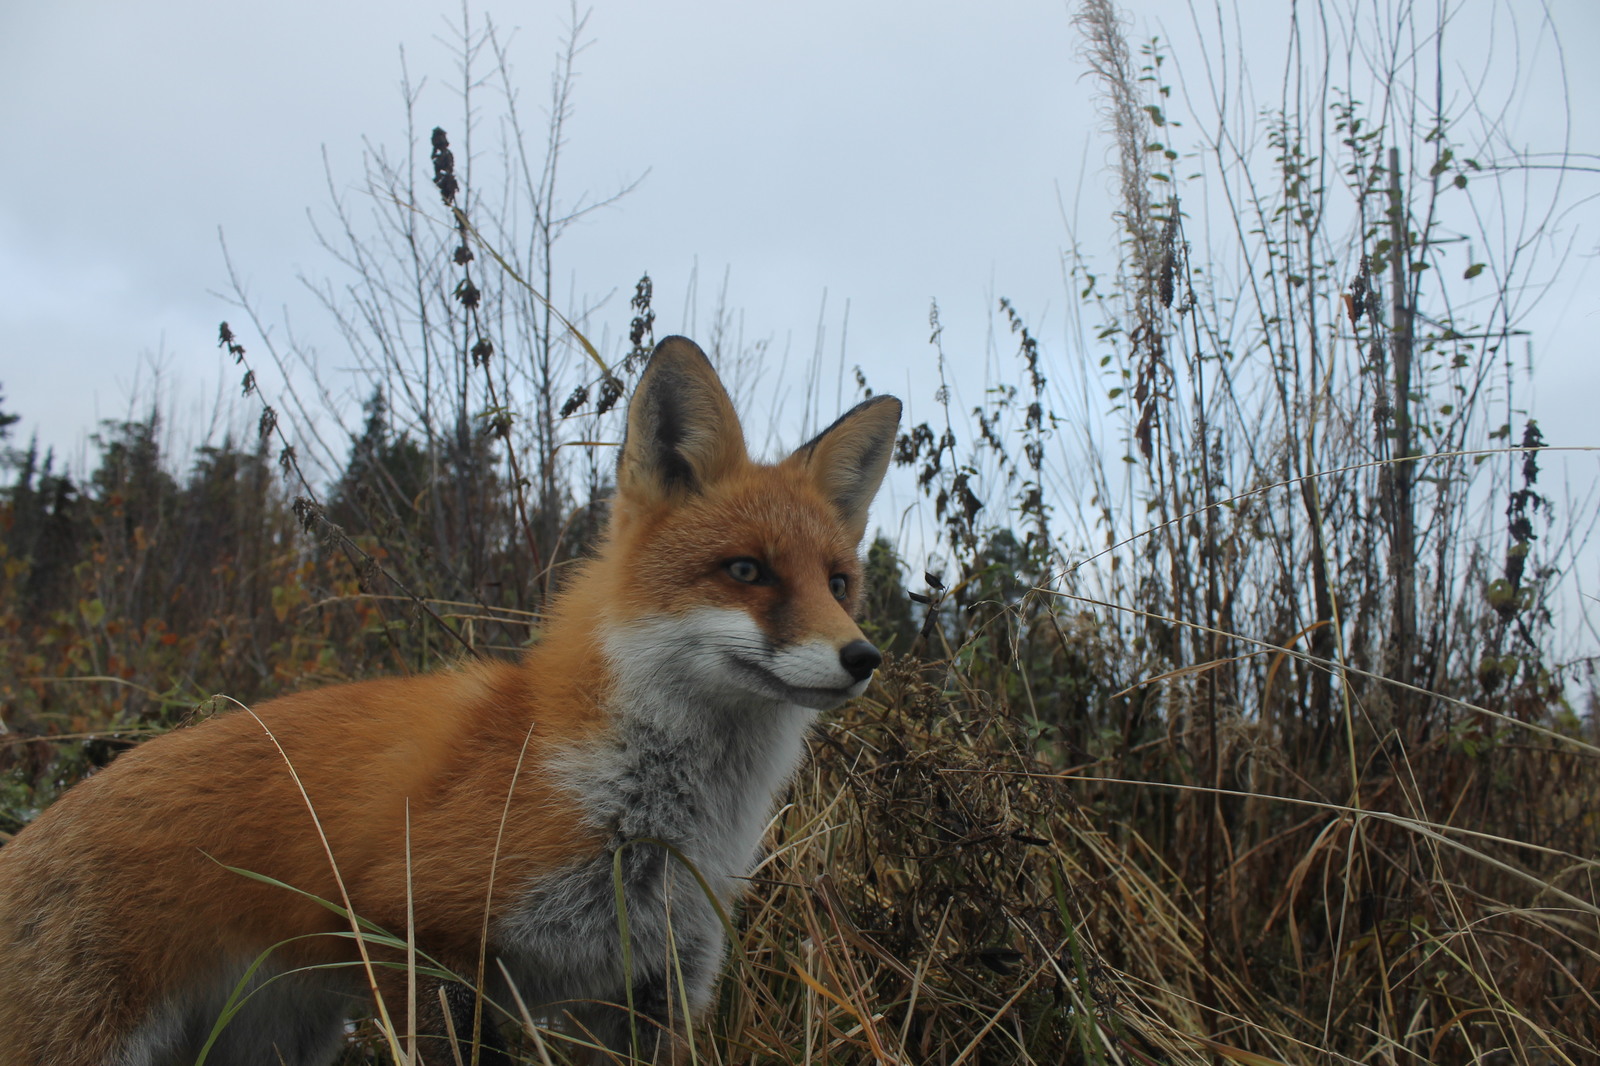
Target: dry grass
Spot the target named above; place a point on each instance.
(958, 899)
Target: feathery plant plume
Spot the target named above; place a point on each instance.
(1105, 50)
(1151, 238)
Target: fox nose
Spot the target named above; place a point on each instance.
(860, 658)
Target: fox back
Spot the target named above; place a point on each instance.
(493, 813)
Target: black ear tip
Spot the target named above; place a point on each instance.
(885, 401)
(675, 349)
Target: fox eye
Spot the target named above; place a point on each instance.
(747, 571)
(839, 585)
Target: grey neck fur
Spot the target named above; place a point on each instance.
(693, 760)
(696, 760)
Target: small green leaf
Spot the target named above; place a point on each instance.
(93, 611)
(1473, 271)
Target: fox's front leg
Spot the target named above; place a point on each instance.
(652, 1032)
(657, 1028)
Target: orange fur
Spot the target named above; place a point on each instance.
(128, 868)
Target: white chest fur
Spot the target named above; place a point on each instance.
(694, 761)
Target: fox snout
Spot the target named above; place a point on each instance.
(860, 658)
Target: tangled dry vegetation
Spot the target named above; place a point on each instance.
(941, 892)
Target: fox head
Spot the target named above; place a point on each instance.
(734, 576)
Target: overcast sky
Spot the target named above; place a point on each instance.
(877, 153)
(881, 154)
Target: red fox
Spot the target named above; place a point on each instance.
(491, 811)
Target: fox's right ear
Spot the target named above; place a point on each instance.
(850, 457)
(683, 433)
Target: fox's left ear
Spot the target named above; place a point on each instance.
(848, 459)
(683, 433)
